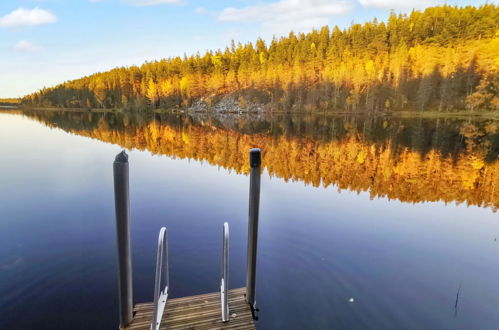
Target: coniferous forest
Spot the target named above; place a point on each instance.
(9, 101)
(441, 59)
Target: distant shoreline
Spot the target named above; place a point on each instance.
(493, 115)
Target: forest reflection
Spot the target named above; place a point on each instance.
(412, 160)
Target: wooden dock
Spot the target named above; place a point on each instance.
(201, 312)
(227, 309)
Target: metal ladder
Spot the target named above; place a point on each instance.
(162, 279)
(161, 296)
(224, 283)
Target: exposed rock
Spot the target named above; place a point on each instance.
(228, 104)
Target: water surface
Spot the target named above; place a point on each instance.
(396, 214)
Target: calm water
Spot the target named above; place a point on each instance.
(397, 214)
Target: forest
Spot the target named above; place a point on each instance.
(444, 59)
(9, 101)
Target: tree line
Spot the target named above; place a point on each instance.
(9, 101)
(443, 58)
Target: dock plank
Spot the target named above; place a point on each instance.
(200, 312)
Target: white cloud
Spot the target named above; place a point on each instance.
(286, 15)
(26, 46)
(399, 4)
(25, 17)
(153, 2)
(147, 2)
(201, 11)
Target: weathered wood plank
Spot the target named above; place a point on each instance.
(200, 312)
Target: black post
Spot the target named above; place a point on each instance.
(254, 205)
(122, 206)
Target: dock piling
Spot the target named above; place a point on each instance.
(122, 207)
(254, 205)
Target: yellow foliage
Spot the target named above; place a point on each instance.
(361, 157)
(477, 164)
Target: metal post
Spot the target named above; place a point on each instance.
(122, 206)
(254, 205)
(224, 287)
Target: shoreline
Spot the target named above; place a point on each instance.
(493, 115)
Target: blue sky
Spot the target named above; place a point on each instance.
(45, 42)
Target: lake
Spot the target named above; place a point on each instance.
(365, 222)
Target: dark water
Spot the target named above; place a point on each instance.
(396, 214)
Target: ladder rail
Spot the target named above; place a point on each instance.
(162, 277)
(224, 285)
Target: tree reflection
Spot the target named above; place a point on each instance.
(412, 160)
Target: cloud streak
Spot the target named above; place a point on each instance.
(399, 4)
(26, 46)
(153, 2)
(25, 17)
(286, 15)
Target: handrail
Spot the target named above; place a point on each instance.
(224, 286)
(160, 296)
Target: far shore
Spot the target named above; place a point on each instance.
(494, 115)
